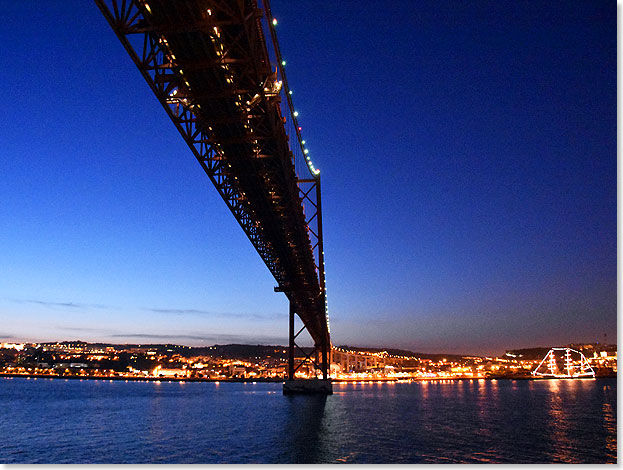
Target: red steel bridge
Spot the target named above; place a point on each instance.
(216, 68)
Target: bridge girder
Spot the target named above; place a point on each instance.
(207, 63)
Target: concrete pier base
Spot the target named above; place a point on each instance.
(307, 386)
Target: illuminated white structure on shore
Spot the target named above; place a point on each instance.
(550, 366)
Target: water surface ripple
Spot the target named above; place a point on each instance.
(497, 421)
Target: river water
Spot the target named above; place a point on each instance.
(501, 421)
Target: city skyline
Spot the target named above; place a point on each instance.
(469, 183)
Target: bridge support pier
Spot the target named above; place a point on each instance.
(306, 386)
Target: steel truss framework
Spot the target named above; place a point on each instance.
(208, 63)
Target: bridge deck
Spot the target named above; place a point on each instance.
(208, 63)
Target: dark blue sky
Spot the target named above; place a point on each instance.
(468, 157)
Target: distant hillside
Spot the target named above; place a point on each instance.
(249, 351)
(226, 351)
(528, 353)
(242, 351)
(404, 352)
(539, 353)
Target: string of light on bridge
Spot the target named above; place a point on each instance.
(294, 113)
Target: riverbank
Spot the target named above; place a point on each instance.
(134, 379)
(273, 380)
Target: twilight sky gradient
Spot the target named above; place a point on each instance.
(468, 154)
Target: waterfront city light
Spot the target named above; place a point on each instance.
(164, 363)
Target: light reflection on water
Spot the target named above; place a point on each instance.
(561, 448)
(610, 426)
(474, 421)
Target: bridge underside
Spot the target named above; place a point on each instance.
(208, 63)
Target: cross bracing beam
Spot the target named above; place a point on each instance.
(208, 63)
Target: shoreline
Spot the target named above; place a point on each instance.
(279, 380)
(133, 379)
